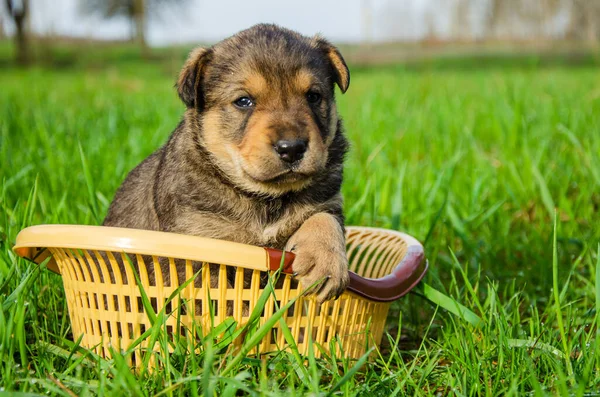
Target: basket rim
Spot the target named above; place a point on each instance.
(31, 243)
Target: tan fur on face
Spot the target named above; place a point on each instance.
(257, 156)
(303, 81)
(280, 113)
(212, 138)
(256, 84)
(333, 116)
(258, 140)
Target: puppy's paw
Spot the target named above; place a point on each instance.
(322, 267)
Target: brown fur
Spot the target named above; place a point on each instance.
(219, 175)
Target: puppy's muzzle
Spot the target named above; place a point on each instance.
(291, 151)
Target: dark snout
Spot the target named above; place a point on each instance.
(291, 138)
(291, 151)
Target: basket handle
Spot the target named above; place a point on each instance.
(405, 276)
(275, 256)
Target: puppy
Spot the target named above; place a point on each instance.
(257, 158)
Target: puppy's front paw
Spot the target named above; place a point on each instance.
(321, 267)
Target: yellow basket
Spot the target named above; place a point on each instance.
(105, 304)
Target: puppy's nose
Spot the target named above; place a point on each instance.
(291, 151)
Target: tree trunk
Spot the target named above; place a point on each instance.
(22, 42)
(19, 16)
(461, 27)
(494, 19)
(578, 20)
(594, 24)
(139, 21)
(592, 31)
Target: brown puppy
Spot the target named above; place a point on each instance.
(257, 158)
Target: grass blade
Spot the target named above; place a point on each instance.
(89, 181)
(598, 296)
(451, 305)
(351, 372)
(557, 305)
(547, 199)
(256, 338)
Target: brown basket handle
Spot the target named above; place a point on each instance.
(405, 276)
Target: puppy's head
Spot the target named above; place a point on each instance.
(264, 99)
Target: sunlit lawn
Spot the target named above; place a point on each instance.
(476, 163)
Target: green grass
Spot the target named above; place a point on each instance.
(474, 162)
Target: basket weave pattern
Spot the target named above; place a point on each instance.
(105, 304)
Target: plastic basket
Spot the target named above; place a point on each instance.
(105, 304)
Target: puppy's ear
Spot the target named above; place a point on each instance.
(189, 83)
(341, 72)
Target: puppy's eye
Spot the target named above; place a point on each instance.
(244, 102)
(313, 97)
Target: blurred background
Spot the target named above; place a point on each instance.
(373, 31)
